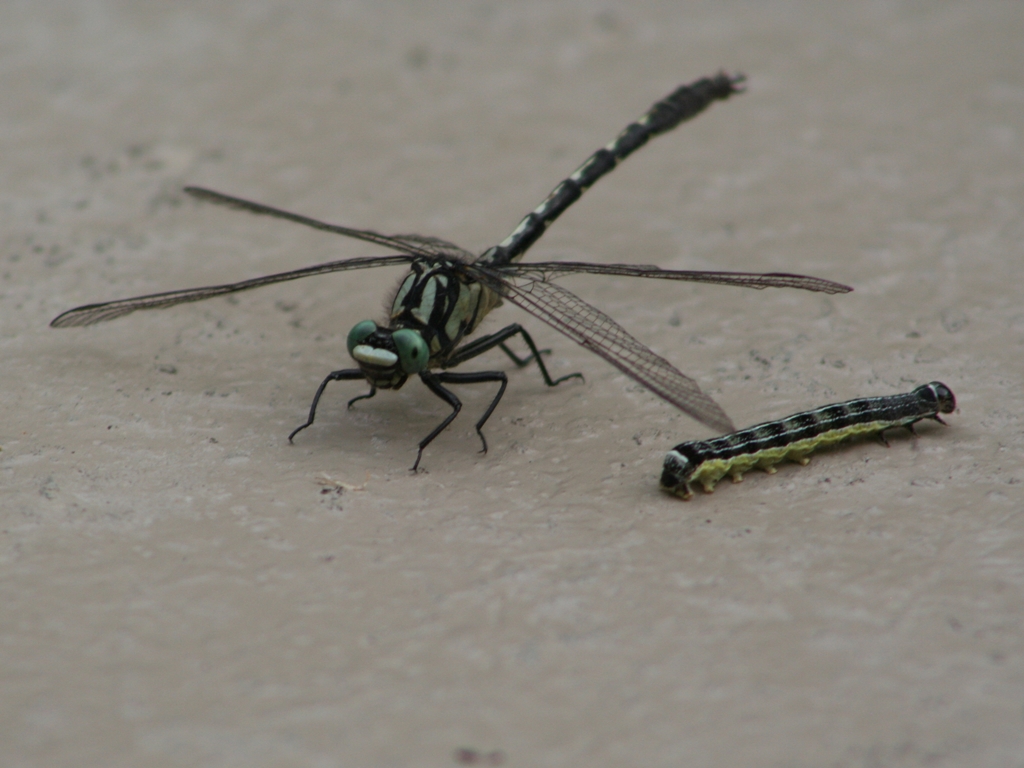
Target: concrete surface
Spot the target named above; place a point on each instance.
(181, 587)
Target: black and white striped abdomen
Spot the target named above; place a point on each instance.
(683, 103)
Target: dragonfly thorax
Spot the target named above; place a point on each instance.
(442, 302)
(387, 357)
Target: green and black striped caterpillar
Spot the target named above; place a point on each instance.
(794, 437)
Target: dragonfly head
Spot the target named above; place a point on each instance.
(387, 357)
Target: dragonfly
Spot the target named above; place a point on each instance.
(448, 291)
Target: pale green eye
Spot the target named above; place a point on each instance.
(412, 350)
(359, 333)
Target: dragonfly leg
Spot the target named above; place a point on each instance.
(484, 343)
(540, 363)
(449, 397)
(346, 375)
(434, 381)
(521, 362)
(367, 396)
(477, 378)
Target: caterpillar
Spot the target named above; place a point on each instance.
(794, 437)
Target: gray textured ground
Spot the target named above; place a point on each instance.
(181, 587)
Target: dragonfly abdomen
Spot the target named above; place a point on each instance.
(685, 102)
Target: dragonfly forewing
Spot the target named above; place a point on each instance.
(109, 310)
(758, 280)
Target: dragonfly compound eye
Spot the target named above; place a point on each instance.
(360, 333)
(412, 350)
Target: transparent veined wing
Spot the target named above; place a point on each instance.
(759, 280)
(109, 310)
(419, 245)
(594, 330)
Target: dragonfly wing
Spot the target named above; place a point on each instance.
(549, 270)
(414, 244)
(109, 310)
(593, 329)
(434, 246)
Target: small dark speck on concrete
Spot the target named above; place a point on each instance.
(469, 756)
